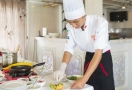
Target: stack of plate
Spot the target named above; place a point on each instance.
(14, 85)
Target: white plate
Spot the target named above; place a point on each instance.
(35, 87)
(41, 82)
(86, 87)
(13, 84)
(34, 78)
(64, 78)
(23, 79)
(72, 81)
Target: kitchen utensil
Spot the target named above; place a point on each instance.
(24, 68)
(41, 78)
(18, 47)
(18, 74)
(15, 75)
(29, 75)
(4, 59)
(8, 58)
(34, 83)
(37, 80)
(18, 64)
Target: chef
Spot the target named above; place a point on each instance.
(90, 34)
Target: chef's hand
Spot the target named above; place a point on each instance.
(79, 84)
(60, 74)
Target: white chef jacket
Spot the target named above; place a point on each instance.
(95, 26)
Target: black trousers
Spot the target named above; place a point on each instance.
(102, 78)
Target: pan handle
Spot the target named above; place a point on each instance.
(39, 64)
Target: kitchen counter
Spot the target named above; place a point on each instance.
(63, 40)
(126, 40)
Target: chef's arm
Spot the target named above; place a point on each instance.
(66, 57)
(93, 64)
(59, 74)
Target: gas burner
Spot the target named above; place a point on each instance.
(16, 74)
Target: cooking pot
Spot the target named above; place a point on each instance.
(23, 68)
(8, 58)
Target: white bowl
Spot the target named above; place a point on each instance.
(47, 36)
(35, 87)
(34, 78)
(72, 81)
(1, 76)
(13, 85)
(54, 35)
(29, 82)
(23, 79)
(41, 82)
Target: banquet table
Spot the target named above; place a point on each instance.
(49, 79)
(48, 76)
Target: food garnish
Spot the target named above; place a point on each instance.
(58, 86)
(73, 77)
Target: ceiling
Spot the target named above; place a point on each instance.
(108, 4)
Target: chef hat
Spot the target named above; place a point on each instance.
(73, 9)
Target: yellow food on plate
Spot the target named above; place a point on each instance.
(58, 86)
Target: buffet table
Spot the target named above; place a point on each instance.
(49, 79)
(48, 76)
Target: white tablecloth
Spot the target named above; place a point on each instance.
(49, 79)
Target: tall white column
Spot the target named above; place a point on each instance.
(94, 7)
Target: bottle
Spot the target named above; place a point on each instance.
(0, 60)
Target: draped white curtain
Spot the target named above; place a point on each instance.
(12, 25)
